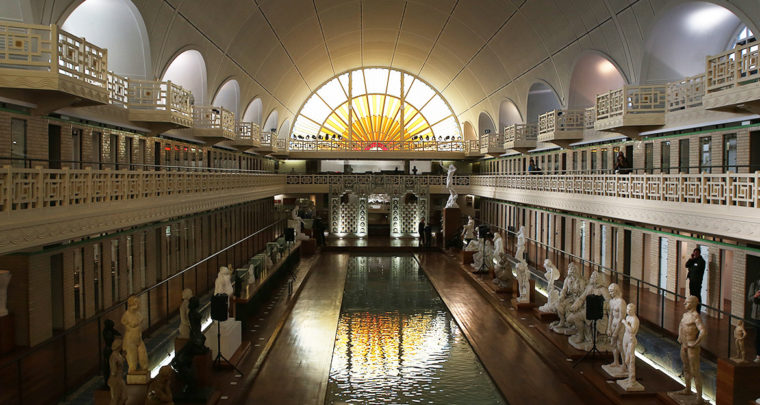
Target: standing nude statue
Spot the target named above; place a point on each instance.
(450, 175)
(691, 332)
(615, 330)
(739, 334)
(523, 281)
(551, 275)
(520, 243)
(631, 325)
(116, 379)
(137, 356)
(184, 322)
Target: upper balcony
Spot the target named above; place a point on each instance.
(561, 127)
(51, 68)
(492, 144)
(159, 106)
(280, 147)
(733, 79)
(327, 147)
(520, 137)
(264, 144)
(213, 124)
(631, 110)
(472, 148)
(244, 135)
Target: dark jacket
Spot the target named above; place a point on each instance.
(421, 228)
(696, 268)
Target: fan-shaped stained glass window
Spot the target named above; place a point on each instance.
(376, 109)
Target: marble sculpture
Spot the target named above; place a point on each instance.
(184, 321)
(159, 390)
(551, 275)
(223, 283)
(739, 334)
(483, 255)
(520, 253)
(615, 331)
(468, 233)
(572, 288)
(116, 382)
(109, 334)
(582, 336)
(523, 281)
(631, 325)
(691, 332)
(452, 201)
(137, 356)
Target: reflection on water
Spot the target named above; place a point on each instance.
(397, 343)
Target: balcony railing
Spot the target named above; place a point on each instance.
(735, 67)
(686, 93)
(379, 146)
(26, 189)
(472, 147)
(47, 48)
(160, 96)
(589, 117)
(631, 100)
(118, 94)
(265, 139)
(520, 136)
(216, 118)
(553, 122)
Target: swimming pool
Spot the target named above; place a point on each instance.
(397, 343)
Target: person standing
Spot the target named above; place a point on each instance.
(421, 231)
(696, 271)
(621, 164)
(428, 235)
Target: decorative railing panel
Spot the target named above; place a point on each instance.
(244, 131)
(82, 60)
(686, 93)
(647, 99)
(211, 117)
(376, 146)
(589, 117)
(560, 120)
(159, 96)
(118, 90)
(265, 138)
(733, 68)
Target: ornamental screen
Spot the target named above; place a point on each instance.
(376, 109)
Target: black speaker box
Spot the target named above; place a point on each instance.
(219, 307)
(594, 307)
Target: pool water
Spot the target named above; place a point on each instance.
(397, 343)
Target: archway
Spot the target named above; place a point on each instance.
(271, 123)
(508, 114)
(541, 98)
(188, 69)
(117, 26)
(228, 96)
(485, 124)
(253, 112)
(592, 74)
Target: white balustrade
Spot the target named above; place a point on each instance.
(630, 99)
(320, 145)
(160, 96)
(732, 68)
(212, 117)
(118, 94)
(589, 117)
(686, 93)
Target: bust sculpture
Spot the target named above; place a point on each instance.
(582, 337)
(691, 332)
(116, 382)
(159, 390)
(615, 331)
(109, 336)
(551, 275)
(184, 321)
(572, 288)
(739, 335)
(5, 279)
(631, 325)
(137, 356)
(523, 281)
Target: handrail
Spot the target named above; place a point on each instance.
(732, 68)
(317, 145)
(160, 96)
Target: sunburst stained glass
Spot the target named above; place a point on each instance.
(376, 109)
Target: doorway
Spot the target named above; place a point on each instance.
(54, 147)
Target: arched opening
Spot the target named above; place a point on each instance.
(592, 74)
(284, 129)
(117, 26)
(485, 124)
(469, 131)
(253, 112)
(541, 98)
(228, 96)
(271, 124)
(683, 36)
(188, 69)
(508, 114)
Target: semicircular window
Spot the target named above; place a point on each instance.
(376, 109)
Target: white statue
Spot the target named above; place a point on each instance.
(450, 175)
(115, 381)
(582, 339)
(251, 274)
(572, 288)
(137, 356)
(452, 201)
(297, 221)
(523, 281)
(551, 275)
(691, 332)
(473, 246)
(631, 325)
(468, 233)
(498, 249)
(5, 278)
(223, 283)
(268, 262)
(184, 321)
(519, 254)
(482, 256)
(739, 334)
(615, 331)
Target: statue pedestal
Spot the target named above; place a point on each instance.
(545, 316)
(7, 334)
(686, 399)
(231, 336)
(138, 377)
(616, 372)
(737, 382)
(452, 221)
(531, 303)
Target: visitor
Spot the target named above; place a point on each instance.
(319, 229)
(428, 235)
(621, 164)
(414, 170)
(696, 267)
(421, 232)
(531, 166)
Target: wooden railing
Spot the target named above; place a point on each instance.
(519, 133)
(118, 94)
(686, 93)
(560, 120)
(631, 100)
(26, 189)
(212, 117)
(159, 96)
(733, 68)
(51, 49)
